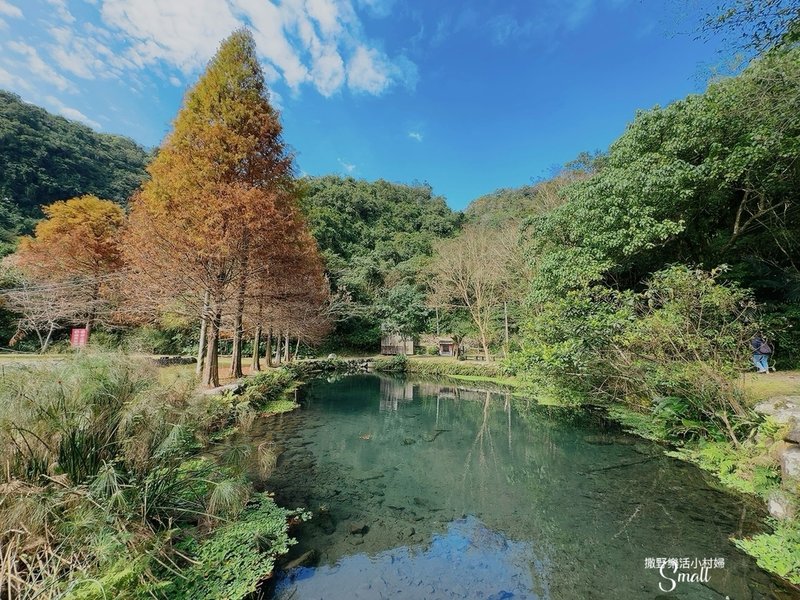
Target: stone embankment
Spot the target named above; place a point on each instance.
(785, 410)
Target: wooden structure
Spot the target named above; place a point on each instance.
(447, 347)
(392, 344)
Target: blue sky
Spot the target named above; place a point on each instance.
(469, 96)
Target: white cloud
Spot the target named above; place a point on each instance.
(380, 8)
(62, 11)
(10, 10)
(349, 167)
(268, 22)
(372, 72)
(415, 135)
(71, 113)
(182, 34)
(328, 72)
(315, 42)
(9, 81)
(302, 43)
(36, 65)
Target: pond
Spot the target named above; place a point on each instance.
(434, 491)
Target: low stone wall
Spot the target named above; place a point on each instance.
(785, 410)
(166, 361)
(332, 364)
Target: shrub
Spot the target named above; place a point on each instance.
(672, 351)
(233, 561)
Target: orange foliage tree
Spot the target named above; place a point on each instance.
(219, 212)
(73, 259)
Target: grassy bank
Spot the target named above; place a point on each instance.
(108, 491)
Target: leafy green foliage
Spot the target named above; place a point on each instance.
(671, 351)
(104, 478)
(267, 387)
(239, 555)
(706, 180)
(375, 238)
(778, 551)
(44, 158)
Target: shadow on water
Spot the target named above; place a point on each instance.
(421, 489)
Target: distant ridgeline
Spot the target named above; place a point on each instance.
(45, 158)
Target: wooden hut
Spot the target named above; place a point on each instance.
(392, 344)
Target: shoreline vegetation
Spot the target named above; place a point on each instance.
(635, 279)
(166, 553)
(109, 489)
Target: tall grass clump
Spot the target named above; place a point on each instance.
(102, 478)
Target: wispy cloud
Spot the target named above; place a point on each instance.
(544, 22)
(70, 113)
(61, 10)
(415, 135)
(10, 10)
(10, 81)
(303, 43)
(349, 167)
(37, 66)
(316, 42)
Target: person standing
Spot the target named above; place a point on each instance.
(761, 353)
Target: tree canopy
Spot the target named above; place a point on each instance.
(375, 238)
(216, 228)
(707, 180)
(45, 158)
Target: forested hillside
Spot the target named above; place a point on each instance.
(375, 238)
(45, 158)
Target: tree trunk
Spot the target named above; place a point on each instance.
(201, 344)
(238, 330)
(211, 368)
(269, 347)
(92, 311)
(296, 349)
(484, 345)
(286, 348)
(505, 318)
(46, 343)
(256, 366)
(236, 349)
(278, 348)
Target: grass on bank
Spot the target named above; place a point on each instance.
(777, 383)
(108, 491)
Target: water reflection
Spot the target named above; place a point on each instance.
(402, 462)
(468, 561)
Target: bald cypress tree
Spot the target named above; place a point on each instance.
(221, 191)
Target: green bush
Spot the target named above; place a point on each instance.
(441, 367)
(780, 325)
(672, 351)
(778, 551)
(152, 340)
(396, 364)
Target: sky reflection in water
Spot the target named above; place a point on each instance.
(468, 561)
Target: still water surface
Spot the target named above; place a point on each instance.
(433, 491)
